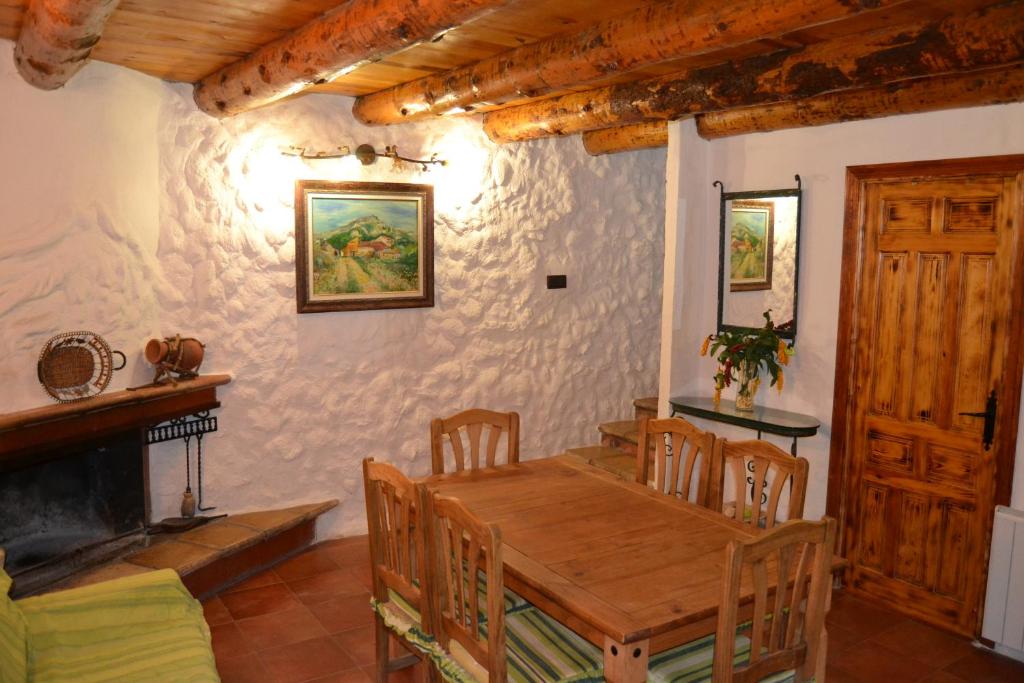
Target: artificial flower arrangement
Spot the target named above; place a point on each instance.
(741, 356)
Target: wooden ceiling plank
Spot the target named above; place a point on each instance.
(992, 36)
(645, 135)
(56, 38)
(1001, 85)
(358, 32)
(653, 34)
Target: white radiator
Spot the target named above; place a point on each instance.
(1004, 598)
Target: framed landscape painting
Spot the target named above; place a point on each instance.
(750, 245)
(363, 246)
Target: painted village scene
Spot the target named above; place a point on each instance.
(364, 246)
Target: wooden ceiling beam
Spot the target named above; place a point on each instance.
(56, 38)
(989, 37)
(646, 135)
(353, 34)
(1001, 85)
(647, 36)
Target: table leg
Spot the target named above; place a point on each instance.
(626, 663)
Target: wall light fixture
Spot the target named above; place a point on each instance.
(366, 154)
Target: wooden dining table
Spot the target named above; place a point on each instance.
(633, 571)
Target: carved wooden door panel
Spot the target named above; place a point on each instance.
(934, 324)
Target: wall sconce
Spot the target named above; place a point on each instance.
(366, 154)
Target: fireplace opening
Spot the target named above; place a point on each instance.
(78, 507)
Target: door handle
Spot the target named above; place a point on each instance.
(989, 430)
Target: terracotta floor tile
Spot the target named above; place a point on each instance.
(362, 572)
(229, 642)
(336, 583)
(984, 666)
(309, 563)
(924, 643)
(350, 676)
(215, 612)
(356, 552)
(942, 677)
(263, 600)
(306, 660)
(266, 578)
(872, 663)
(359, 644)
(245, 669)
(344, 614)
(281, 628)
(861, 618)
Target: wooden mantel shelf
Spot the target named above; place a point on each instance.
(57, 426)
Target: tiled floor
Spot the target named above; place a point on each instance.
(309, 620)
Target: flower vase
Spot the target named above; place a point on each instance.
(747, 386)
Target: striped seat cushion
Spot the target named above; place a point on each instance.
(405, 621)
(513, 601)
(692, 662)
(13, 642)
(539, 650)
(139, 628)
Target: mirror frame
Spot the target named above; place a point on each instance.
(758, 194)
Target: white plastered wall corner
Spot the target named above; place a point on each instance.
(128, 212)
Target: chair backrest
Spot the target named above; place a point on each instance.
(690, 454)
(459, 547)
(397, 553)
(787, 630)
(471, 425)
(762, 469)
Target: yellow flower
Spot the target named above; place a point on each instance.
(780, 381)
(704, 346)
(783, 356)
(718, 396)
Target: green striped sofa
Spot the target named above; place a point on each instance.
(140, 628)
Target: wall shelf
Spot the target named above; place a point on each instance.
(30, 434)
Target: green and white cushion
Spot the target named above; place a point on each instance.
(513, 601)
(692, 662)
(137, 628)
(539, 650)
(13, 639)
(404, 619)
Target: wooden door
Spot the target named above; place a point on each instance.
(931, 326)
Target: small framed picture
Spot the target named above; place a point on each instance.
(751, 234)
(361, 246)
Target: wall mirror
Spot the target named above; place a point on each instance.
(758, 258)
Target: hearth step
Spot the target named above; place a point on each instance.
(223, 552)
(645, 407)
(621, 434)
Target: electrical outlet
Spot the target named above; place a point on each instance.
(556, 282)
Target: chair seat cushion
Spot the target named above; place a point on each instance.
(139, 628)
(405, 621)
(692, 662)
(13, 637)
(539, 650)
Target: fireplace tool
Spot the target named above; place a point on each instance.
(185, 428)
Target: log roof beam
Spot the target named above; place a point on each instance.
(993, 36)
(353, 34)
(646, 135)
(650, 35)
(1000, 85)
(57, 37)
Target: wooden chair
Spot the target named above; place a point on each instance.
(691, 450)
(398, 566)
(477, 638)
(472, 424)
(769, 468)
(786, 628)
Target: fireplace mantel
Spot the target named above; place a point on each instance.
(28, 434)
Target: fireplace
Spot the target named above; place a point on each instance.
(73, 478)
(74, 508)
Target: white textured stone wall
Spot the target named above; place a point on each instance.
(313, 394)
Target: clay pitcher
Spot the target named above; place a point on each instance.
(177, 354)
